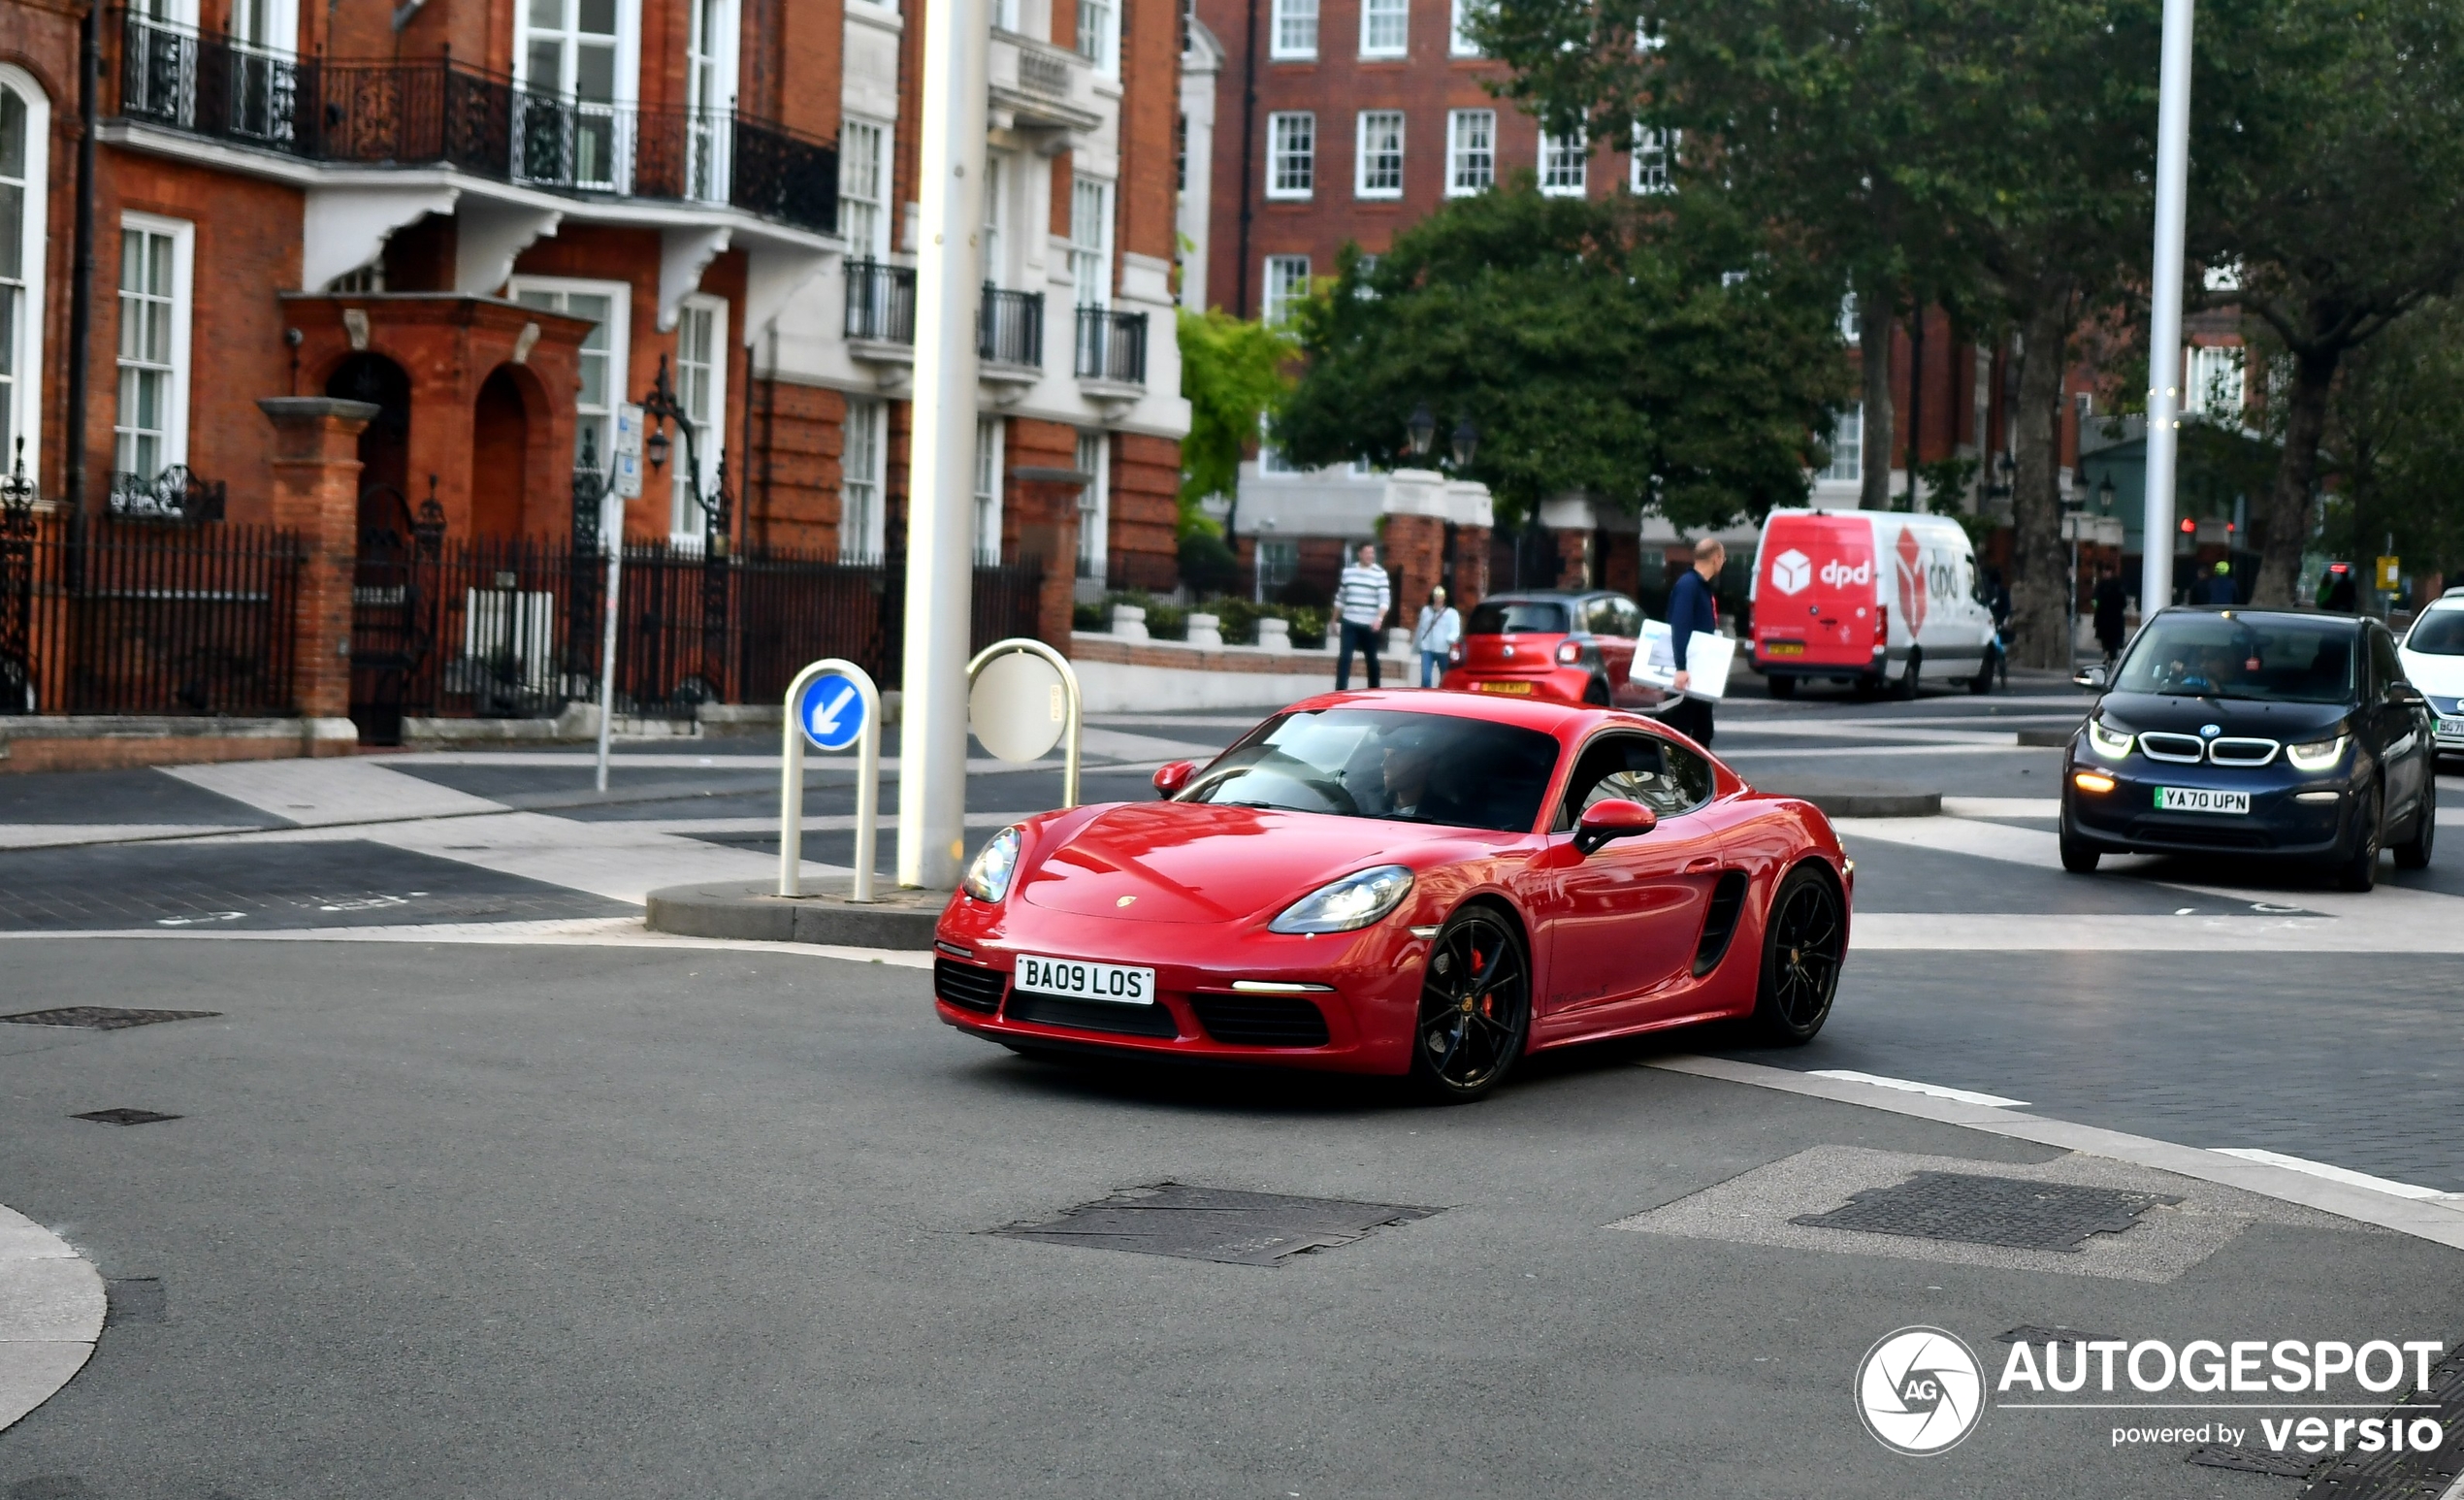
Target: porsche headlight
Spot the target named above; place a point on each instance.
(988, 878)
(2111, 743)
(1353, 901)
(2317, 755)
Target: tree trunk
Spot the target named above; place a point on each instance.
(1874, 304)
(2291, 509)
(2040, 574)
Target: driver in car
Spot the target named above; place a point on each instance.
(1405, 772)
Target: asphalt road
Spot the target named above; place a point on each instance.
(472, 1193)
(458, 1220)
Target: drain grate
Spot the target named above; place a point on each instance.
(104, 1018)
(2390, 1475)
(1215, 1223)
(125, 1116)
(2006, 1211)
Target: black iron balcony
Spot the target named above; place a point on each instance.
(440, 112)
(881, 301)
(1010, 327)
(1112, 346)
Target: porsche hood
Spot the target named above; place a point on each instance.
(1192, 862)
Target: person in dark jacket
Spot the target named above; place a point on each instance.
(1693, 607)
(2113, 606)
(2216, 588)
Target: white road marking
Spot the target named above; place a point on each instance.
(1114, 745)
(1959, 835)
(1931, 1091)
(2002, 806)
(2334, 1174)
(343, 789)
(62, 836)
(2437, 1221)
(584, 932)
(2009, 746)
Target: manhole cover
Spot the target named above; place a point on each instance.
(104, 1018)
(1215, 1223)
(125, 1116)
(2007, 1211)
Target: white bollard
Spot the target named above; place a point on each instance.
(1206, 629)
(1129, 622)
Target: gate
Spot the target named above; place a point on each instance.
(393, 609)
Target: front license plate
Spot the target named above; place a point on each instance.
(1785, 648)
(2200, 799)
(1078, 980)
(1523, 689)
(2452, 729)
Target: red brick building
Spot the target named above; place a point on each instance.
(497, 222)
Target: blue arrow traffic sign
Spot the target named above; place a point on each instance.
(831, 712)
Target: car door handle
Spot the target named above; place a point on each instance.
(1703, 865)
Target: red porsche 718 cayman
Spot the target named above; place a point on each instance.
(1418, 883)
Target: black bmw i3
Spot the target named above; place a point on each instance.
(2260, 731)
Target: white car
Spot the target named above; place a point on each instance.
(2433, 653)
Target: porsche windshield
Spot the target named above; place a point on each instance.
(1369, 763)
(2282, 658)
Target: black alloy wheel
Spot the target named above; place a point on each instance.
(2359, 870)
(1596, 692)
(1476, 1008)
(1804, 941)
(2414, 852)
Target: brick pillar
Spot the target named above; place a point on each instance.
(316, 496)
(1574, 559)
(1415, 549)
(1048, 530)
(1471, 568)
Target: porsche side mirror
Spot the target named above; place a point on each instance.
(1170, 779)
(1613, 818)
(2089, 677)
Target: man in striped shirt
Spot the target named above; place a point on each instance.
(1360, 607)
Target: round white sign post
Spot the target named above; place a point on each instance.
(1021, 701)
(831, 703)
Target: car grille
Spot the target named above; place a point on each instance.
(1053, 1010)
(2181, 749)
(2189, 749)
(1258, 1020)
(968, 986)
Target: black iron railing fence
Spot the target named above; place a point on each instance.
(437, 112)
(129, 617)
(1010, 327)
(511, 628)
(881, 301)
(1112, 346)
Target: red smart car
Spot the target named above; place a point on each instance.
(1418, 883)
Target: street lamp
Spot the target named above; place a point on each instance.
(1467, 443)
(2105, 496)
(661, 407)
(1422, 430)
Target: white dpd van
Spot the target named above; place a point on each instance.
(1871, 598)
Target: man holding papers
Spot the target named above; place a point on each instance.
(1692, 611)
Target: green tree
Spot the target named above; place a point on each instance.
(2395, 429)
(1993, 153)
(1232, 372)
(2328, 167)
(1653, 353)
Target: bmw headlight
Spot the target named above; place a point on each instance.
(988, 878)
(2317, 755)
(2110, 742)
(1353, 901)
